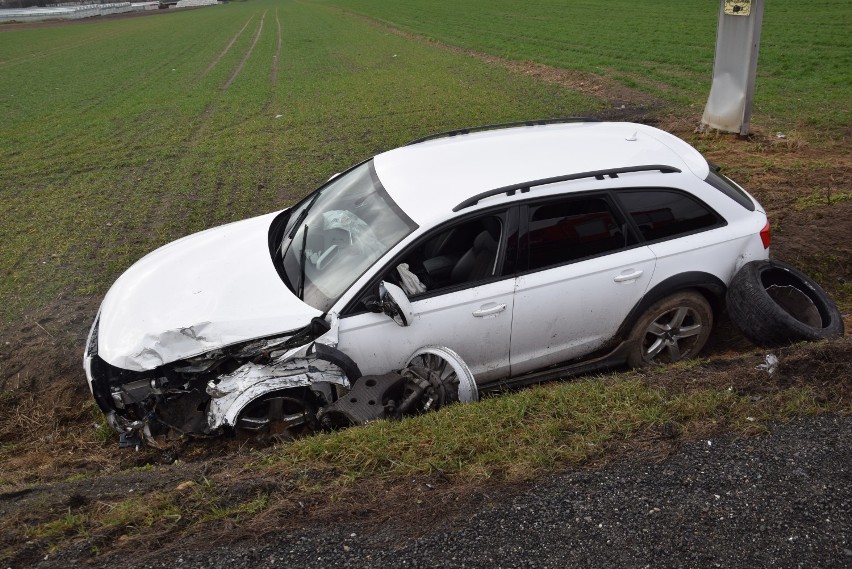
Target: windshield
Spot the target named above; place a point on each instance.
(337, 233)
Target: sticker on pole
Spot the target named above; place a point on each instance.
(737, 7)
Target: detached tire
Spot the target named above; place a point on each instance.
(774, 304)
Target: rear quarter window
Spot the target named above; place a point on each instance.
(727, 187)
(665, 214)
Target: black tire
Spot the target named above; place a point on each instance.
(279, 416)
(672, 329)
(774, 304)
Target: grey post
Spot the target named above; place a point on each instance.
(734, 69)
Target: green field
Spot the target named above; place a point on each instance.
(119, 136)
(664, 47)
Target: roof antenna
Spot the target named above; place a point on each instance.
(632, 137)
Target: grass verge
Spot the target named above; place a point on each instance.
(504, 439)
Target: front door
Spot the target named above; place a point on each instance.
(461, 295)
(475, 323)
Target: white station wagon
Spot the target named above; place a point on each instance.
(480, 258)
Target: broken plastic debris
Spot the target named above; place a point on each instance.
(770, 365)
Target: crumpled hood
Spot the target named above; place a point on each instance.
(205, 291)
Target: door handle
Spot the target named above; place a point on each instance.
(488, 309)
(628, 276)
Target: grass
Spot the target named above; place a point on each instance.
(824, 197)
(120, 136)
(665, 48)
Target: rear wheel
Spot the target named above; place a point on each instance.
(673, 329)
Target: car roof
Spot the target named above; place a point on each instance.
(428, 179)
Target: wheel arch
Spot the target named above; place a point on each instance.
(708, 285)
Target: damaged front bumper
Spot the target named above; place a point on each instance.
(284, 386)
(205, 395)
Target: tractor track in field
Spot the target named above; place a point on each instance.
(236, 72)
(276, 59)
(227, 48)
(201, 130)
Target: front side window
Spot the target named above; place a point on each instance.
(663, 214)
(571, 229)
(335, 235)
(455, 256)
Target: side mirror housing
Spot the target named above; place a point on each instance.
(395, 304)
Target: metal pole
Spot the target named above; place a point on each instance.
(735, 66)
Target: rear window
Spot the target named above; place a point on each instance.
(730, 189)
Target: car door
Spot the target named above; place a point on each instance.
(583, 270)
(464, 300)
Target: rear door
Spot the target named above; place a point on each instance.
(581, 271)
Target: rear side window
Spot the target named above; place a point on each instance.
(663, 214)
(572, 229)
(727, 187)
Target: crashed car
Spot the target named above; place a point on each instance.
(476, 259)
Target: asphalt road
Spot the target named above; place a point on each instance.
(781, 500)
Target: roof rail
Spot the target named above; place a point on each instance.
(599, 174)
(502, 125)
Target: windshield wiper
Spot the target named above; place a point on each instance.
(300, 290)
(302, 215)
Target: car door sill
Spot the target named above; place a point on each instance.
(614, 358)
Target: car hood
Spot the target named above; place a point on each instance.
(205, 291)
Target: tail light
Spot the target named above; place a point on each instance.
(765, 236)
